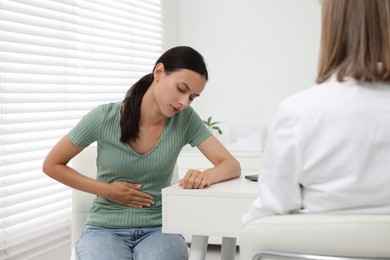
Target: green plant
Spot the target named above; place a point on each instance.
(212, 126)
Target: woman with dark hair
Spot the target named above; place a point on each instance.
(328, 147)
(138, 142)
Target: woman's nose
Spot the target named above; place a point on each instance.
(182, 102)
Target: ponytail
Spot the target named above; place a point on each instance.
(131, 109)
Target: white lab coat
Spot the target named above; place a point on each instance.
(328, 150)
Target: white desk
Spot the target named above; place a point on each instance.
(212, 212)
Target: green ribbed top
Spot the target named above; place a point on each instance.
(116, 161)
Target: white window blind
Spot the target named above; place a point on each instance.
(58, 60)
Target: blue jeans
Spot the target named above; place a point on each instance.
(99, 243)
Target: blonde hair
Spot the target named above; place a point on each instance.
(355, 38)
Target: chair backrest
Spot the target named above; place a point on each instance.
(316, 236)
(85, 163)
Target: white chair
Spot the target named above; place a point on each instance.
(85, 163)
(312, 236)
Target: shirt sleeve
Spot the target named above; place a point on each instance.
(88, 128)
(279, 189)
(196, 132)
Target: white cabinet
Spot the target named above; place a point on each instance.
(192, 158)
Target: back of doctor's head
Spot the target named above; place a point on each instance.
(355, 40)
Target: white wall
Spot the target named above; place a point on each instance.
(258, 52)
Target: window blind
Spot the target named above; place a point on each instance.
(58, 60)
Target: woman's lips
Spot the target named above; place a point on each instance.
(175, 109)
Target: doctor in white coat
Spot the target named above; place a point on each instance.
(329, 146)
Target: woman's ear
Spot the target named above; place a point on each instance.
(158, 71)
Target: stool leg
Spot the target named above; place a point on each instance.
(228, 250)
(198, 247)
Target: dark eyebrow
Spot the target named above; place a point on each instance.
(189, 89)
